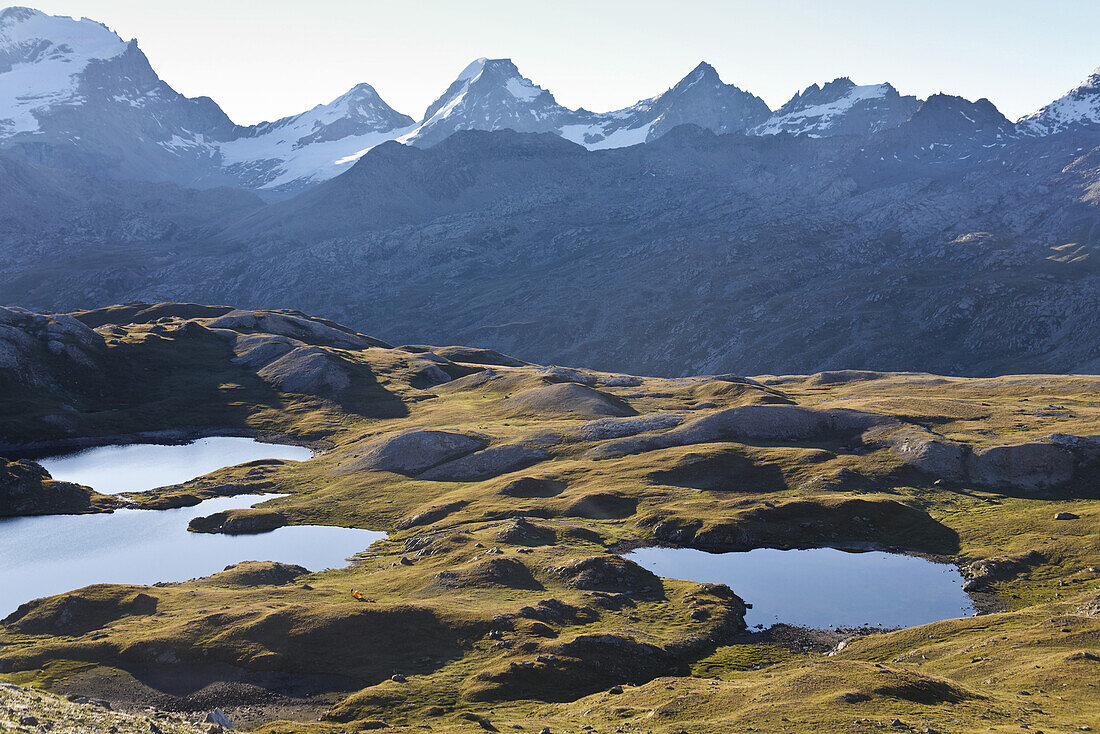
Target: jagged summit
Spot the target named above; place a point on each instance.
(1078, 108)
(840, 107)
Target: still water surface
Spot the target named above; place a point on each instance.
(822, 587)
(134, 467)
(40, 556)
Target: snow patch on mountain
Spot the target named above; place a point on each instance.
(489, 94)
(1080, 107)
(816, 112)
(315, 145)
(41, 58)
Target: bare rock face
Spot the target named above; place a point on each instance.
(44, 350)
(27, 489)
(295, 325)
(239, 522)
(1028, 466)
(929, 453)
(412, 452)
(307, 370)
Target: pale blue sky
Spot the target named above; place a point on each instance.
(262, 59)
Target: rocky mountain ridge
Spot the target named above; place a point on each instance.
(73, 95)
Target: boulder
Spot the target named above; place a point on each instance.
(412, 452)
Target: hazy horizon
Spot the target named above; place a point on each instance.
(266, 62)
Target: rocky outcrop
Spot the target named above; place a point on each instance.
(411, 452)
(510, 573)
(473, 355)
(602, 506)
(258, 573)
(239, 522)
(27, 489)
(1028, 466)
(749, 423)
(607, 573)
(565, 400)
(927, 452)
(307, 370)
(606, 429)
(46, 350)
(985, 571)
(490, 462)
(295, 325)
(431, 515)
(528, 487)
(522, 531)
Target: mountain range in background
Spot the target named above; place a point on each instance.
(854, 227)
(74, 95)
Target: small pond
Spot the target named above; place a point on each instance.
(134, 467)
(41, 556)
(822, 587)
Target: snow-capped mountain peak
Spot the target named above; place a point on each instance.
(489, 94)
(840, 107)
(41, 58)
(314, 145)
(1079, 107)
(700, 98)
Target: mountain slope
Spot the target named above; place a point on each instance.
(489, 94)
(291, 153)
(700, 98)
(1078, 108)
(694, 253)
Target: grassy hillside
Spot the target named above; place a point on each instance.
(507, 489)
